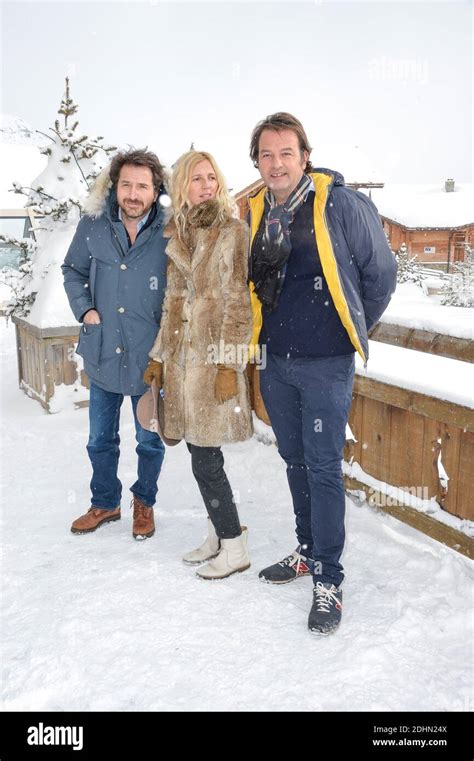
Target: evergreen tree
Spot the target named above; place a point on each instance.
(409, 270)
(57, 194)
(458, 291)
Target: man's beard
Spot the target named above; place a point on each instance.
(134, 212)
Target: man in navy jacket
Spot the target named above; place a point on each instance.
(115, 278)
(321, 274)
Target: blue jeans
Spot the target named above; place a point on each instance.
(308, 401)
(104, 450)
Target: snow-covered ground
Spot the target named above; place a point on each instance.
(101, 622)
(411, 308)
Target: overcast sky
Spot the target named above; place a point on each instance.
(383, 89)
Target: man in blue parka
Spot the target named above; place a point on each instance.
(115, 277)
(321, 274)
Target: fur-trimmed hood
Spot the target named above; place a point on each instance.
(97, 200)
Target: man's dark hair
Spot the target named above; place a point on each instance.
(277, 122)
(137, 157)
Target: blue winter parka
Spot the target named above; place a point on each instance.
(357, 262)
(125, 285)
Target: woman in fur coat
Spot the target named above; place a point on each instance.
(200, 352)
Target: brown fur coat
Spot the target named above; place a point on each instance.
(206, 320)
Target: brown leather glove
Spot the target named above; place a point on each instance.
(154, 371)
(226, 383)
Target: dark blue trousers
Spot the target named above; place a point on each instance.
(308, 401)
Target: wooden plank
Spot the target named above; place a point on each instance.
(376, 434)
(450, 453)
(48, 365)
(427, 341)
(24, 355)
(414, 437)
(63, 370)
(27, 348)
(456, 348)
(69, 365)
(465, 476)
(33, 364)
(24, 358)
(387, 333)
(354, 449)
(430, 406)
(398, 454)
(56, 369)
(431, 449)
(42, 366)
(405, 463)
(447, 535)
(19, 353)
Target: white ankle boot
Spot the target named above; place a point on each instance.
(232, 558)
(209, 549)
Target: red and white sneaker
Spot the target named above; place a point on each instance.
(290, 568)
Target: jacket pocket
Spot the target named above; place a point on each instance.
(92, 278)
(90, 343)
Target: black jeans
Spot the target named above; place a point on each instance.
(208, 469)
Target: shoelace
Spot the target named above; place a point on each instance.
(139, 510)
(290, 560)
(324, 597)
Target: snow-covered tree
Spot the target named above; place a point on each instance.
(17, 279)
(458, 291)
(409, 269)
(57, 194)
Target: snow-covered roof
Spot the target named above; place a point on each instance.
(425, 205)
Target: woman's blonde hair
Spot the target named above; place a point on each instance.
(181, 180)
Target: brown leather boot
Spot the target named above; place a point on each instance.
(94, 518)
(143, 520)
